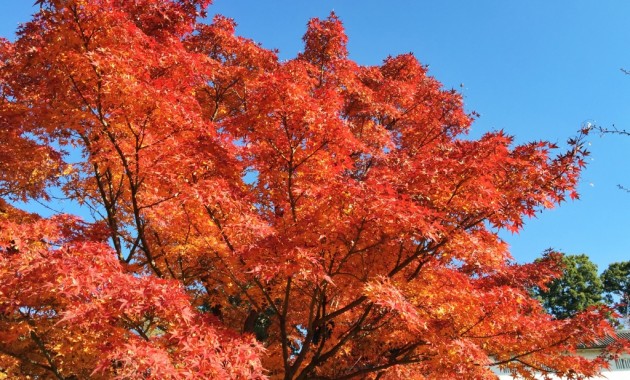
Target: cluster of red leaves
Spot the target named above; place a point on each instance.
(69, 307)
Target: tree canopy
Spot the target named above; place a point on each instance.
(578, 288)
(616, 282)
(311, 218)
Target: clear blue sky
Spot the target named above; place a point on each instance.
(536, 69)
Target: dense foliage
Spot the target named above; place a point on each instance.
(312, 218)
(578, 288)
(616, 282)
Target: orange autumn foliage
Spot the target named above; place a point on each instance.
(307, 219)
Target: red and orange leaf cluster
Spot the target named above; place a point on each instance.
(74, 311)
(312, 218)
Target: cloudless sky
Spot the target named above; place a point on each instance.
(536, 69)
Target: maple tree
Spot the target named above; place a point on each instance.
(253, 218)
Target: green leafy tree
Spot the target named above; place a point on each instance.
(578, 288)
(616, 283)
